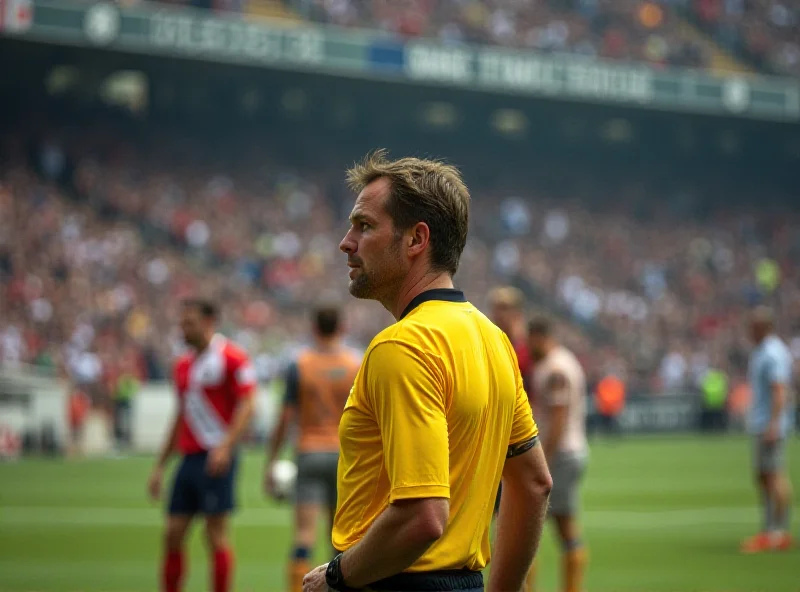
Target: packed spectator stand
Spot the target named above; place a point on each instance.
(756, 35)
(104, 226)
(102, 235)
(765, 33)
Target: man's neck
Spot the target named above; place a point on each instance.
(415, 287)
(764, 338)
(203, 346)
(549, 347)
(516, 332)
(327, 344)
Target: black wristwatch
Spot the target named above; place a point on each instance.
(334, 577)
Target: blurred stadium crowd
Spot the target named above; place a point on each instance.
(762, 34)
(102, 230)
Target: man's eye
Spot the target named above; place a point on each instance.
(363, 226)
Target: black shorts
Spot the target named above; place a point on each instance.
(194, 491)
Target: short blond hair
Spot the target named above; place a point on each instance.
(426, 191)
(506, 296)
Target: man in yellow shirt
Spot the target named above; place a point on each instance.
(437, 413)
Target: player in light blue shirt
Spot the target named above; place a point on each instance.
(770, 421)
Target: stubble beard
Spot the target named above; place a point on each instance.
(363, 286)
(376, 283)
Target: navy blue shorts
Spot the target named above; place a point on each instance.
(194, 491)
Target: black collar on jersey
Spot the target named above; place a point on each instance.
(446, 294)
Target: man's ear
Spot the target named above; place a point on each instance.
(418, 238)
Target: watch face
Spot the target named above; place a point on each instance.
(331, 572)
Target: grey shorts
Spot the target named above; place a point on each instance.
(567, 471)
(769, 459)
(316, 478)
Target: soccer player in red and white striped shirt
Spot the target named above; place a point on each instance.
(215, 384)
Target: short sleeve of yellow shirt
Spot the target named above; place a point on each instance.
(523, 427)
(405, 388)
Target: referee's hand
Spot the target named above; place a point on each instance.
(314, 581)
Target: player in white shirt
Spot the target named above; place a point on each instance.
(560, 410)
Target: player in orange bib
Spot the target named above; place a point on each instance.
(318, 383)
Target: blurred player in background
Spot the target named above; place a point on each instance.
(215, 384)
(437, 412)
(508, 312)
(317, 385)
(561, 414)
(507, 305)
(770, 420)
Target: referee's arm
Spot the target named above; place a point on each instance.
(399, 537)
(408, 401)
(523, 505)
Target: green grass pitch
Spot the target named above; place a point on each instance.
(660, 514)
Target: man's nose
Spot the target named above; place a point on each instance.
(348, 245)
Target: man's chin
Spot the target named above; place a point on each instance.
(359, 290)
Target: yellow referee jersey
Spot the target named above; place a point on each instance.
(433, 410)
